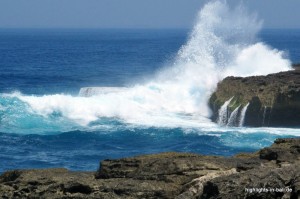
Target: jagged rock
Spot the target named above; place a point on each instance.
(263, 182)
(273, 179)
(169, 175)
(274, 100)
(290, 153)
(161, 166)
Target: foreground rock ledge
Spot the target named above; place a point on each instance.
(275, 169)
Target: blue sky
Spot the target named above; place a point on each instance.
(132, 13)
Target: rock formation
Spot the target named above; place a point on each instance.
(274, 100)
(272, 172)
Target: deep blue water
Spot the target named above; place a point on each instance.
(84, 150)
(55, 61)
(39, 62)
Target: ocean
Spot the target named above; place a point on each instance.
(149, 92)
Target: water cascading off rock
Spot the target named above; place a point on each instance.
(274, 100)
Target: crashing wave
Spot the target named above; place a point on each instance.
(222, 43)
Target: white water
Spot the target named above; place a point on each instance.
(222, 43)
(264, 115)
(92, 91)
(243, 114)
(233, 117)
(223, 113)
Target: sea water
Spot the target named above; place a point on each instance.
(70, 98)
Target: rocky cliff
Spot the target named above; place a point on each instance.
(273, 100)
(272, 172)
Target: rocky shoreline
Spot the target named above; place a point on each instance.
(273, 172)
(272, 100)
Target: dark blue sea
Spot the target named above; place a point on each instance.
(135, 105)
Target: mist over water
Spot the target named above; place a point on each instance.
(222, 43)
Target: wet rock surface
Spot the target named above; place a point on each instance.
(274, 100)
(273, 172)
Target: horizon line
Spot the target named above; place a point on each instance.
(126, 28)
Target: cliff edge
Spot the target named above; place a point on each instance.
(272, 100)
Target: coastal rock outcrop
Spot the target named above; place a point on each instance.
(273, 172)
(272, 100)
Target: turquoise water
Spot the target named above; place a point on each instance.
(44, 122)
